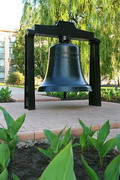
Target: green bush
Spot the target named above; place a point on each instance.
(5, 94)
(15, 78)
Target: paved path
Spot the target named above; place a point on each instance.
(55, 115)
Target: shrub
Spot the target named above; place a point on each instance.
(5, 94)
(15, 78)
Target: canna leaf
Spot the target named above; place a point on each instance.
(118, 141)
(4, 155)
(61, 167)
(12, 146)
(4, 174)
(85, 128)
(15, 177)
(95, 144)
(56, 142)
(82, 141)
(49, 135)
(112, 171)
(3, 134)
(103, 132)
(47, 152)
(8, 118)
(66, 137)
(109, 145)
(91, 173)
(14, 128)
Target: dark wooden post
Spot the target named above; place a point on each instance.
(95, 82)
(29, 94)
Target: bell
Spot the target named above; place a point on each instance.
(64, 71)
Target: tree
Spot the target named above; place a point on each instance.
(100, 16)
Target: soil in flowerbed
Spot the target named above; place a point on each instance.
(29, 163)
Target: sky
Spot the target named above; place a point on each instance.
(10, 14)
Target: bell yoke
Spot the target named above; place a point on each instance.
(64, 72)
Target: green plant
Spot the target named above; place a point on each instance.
(57, 143)
(110, 95)
(15, 78)
(9, 135)
(4, 161)
(91, 173)
(118, 141)
(112, 171)
(83, 140)
(5, 94)
(15, 177)
(101, 146)
(61, 167)
(84, 136)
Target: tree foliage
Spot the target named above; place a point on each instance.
(100, 16)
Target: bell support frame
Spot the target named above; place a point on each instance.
(62, 28)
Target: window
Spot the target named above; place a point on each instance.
(2, 50)
(2, 43)
(2, 62)
(12, 39)
(2, 56)
(2, 75)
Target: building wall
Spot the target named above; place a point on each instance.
(7, 39)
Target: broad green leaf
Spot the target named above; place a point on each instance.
(4, 154)
(49, 135)
(66, 137)
(91, 173)
(118, 141)
(61, 167)
(8, 118)
(95, 144)
(109, 145)
(15, 177)
(83, 139)
(103, 132)
(56, 142)
(49, 153)
(4, 175)
(3, 134)
(85, 128)
(12, 146)
(14, 128)
(112, 171)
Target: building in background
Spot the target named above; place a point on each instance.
(7, 39)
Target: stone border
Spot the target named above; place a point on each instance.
(38, 135)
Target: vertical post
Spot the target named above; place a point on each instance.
(95, 95)
(29, 94)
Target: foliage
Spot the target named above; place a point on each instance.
(110, 95)
(70, 95)
(61, 167)
(112, 171)
(118, 141)
(9, 135)
(4, 161)
(106, 94)
(100, 17)
(91, 173)
(15, 78)
(101, 146)
(84, 136)
(5, 94)
(57, 143)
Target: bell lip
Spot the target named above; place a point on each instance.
(64, 88)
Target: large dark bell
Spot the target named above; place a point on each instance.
(64, 70)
